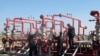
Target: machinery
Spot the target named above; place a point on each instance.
(47, 44)
(96, 41)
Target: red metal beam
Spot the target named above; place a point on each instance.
(69, 17)
(53, 22)
(22, 21)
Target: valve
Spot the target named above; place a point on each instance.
(4, 40)
(96, 14)
(46, 40)
(10, 41)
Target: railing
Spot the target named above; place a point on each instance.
(65, 51)
(76, 49)
(26, 51)
(23, 48)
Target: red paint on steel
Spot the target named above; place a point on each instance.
(69, 17)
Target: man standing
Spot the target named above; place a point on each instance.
(59, 43)
(71, 34)
(32, 44)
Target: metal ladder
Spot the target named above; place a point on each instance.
(24, 50)
(71, 51)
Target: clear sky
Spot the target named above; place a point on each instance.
(25, 8)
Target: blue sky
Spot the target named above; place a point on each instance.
(25, 8)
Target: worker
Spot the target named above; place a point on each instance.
(92, 34)
(59, 43)
(32, 45)
(32, 39)
(70, 34)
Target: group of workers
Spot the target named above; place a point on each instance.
(33, 42)
(33, 46)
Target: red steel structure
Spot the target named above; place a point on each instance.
(31, 22)
(33, 25)
(73, 19)
(44, 20)
(22, 21)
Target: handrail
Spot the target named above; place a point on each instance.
(26, 51)
(22, 48)
(76, 49)
(65, 51)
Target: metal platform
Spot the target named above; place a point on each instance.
(83, 42)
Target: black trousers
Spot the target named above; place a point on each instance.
(70, 41)
(59, 49)
(33, 49)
